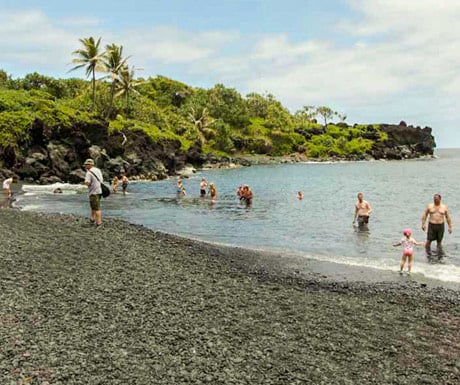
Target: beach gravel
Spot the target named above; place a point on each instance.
(126, 305)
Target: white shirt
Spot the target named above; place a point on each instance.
(7, 183)
(94, 187)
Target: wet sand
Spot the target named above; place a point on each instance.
(126, 305)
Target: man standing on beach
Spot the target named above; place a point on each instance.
(93, 180)
(362, 211)
(436, 212)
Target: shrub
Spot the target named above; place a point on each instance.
(14, 127)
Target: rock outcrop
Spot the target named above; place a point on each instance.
(404, 142)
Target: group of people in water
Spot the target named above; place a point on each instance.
(243, 192)
(120, 179)
(437, 214)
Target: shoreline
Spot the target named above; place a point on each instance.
(295, 264)
(127, 305)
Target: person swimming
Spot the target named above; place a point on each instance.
(300, 195)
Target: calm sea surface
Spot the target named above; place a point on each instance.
(319, 226)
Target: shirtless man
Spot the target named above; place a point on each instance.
(437, 213)
(203, 185)
(124, 183)
(362, 211)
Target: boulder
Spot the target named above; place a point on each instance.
(95, 153)
(77, 176)
(58, 153)
(187, 171)
(38, 156)
(31, 170)
(44, 179)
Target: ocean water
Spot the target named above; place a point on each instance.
(318, 227)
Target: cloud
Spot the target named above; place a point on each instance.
(392, 49)
(79, 22)
(169, 45)
(30, 40)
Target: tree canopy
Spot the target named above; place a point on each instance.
(219, 119)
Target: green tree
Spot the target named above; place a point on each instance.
(126, 84)
(258, 104)
(196, 111)
(228, 105)
(271, 110)
(304, 116)
(166, 92)
(114, 64)
(92, 58)
(4, 78)
(35, 81)
(326, 113)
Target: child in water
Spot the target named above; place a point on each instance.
(408, 250)
(180, 189)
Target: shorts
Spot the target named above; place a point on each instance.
(124, 186)
(202, 193)
(435, 232)
(363, 219)
(95, 202)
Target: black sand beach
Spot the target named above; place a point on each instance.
(127, 305)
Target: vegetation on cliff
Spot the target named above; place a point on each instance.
(218, 120)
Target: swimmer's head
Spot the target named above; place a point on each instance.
(407, 232)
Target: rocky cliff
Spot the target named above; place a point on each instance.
(404, 142)
(57, 155)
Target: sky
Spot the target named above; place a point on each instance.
(375, 61)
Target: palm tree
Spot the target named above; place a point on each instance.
(126, 84)
(203, 122)
(114, 63)
(90, 57)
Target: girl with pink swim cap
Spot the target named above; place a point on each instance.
(408, 244)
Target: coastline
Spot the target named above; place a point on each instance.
(124, 304)
(259, 159)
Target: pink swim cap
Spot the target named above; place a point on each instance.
(407, 232)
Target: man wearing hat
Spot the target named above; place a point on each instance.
(93, 180)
